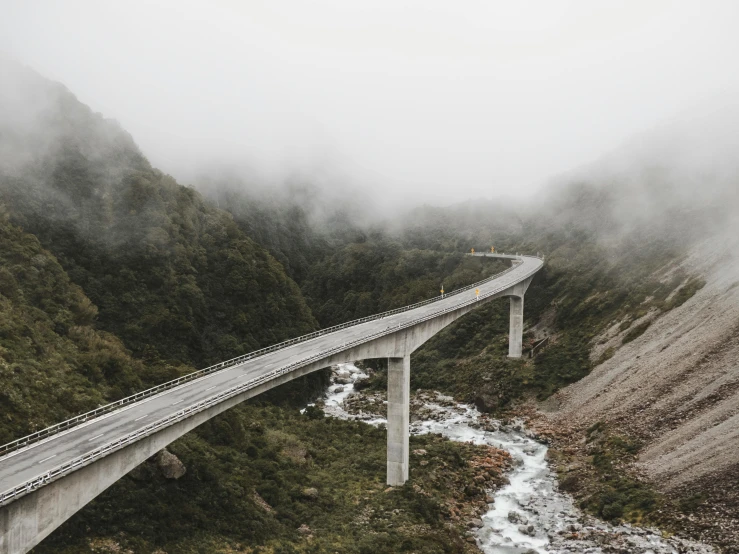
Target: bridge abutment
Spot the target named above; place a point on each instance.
(398, 419)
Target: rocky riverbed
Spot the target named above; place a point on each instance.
(529, 515)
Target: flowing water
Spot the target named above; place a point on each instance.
(529, 515)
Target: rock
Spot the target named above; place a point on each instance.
(514, 517)
(170, 465)
(475, 522)
(262, 503)
(340, 388)
(311, 493)
(304, 530)
(486, 402)
(527, 530)
(419, 452)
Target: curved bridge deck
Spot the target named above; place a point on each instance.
(28, 469)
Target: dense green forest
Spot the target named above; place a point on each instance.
(115, 277)
(173, 277)
(49, 346)
(348, 269)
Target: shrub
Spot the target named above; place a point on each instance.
(636, 332)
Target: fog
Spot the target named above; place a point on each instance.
(414, 101)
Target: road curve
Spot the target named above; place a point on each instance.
(39, 460)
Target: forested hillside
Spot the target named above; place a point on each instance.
(173, 277)
(54, 363)
(115, 277)
(616, 246)
(589, 280)
(348, 263)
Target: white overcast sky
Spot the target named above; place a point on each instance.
(432, 100)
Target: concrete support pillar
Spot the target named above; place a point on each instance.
(515, 336)
(398, 419)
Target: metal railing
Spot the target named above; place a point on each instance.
(43, 479)
(67, 467)
(108, 408)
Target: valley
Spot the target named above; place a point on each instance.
(615, 431)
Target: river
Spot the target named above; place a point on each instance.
(529, 515)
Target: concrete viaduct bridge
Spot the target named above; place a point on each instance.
(48, 476)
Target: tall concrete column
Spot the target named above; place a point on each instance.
(398, 419)
(515, 335)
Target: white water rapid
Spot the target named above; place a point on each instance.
(529, 515)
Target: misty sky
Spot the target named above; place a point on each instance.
(423, 100)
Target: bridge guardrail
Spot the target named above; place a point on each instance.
(42, 434)
(37, 482)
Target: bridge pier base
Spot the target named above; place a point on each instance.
(515, 335)
(398, 419)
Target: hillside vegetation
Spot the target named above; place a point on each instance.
(265, 479)
(53, 362)
(115, 277)
(347, 269)
(172, 276)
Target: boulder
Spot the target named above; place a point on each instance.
(304, 530)
(311, 493)
(487, 402)
(170, 465)
(475, 523)
(527, 530)
(514, 516)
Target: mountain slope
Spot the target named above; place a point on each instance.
(172, 276)
(99, 249)
(675, 390)
(53, 362)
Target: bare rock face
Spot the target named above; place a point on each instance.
(262, 503)
(304, 530)
(170, 465)
(486, 402)
(311, 493)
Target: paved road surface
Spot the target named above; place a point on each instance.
(36, 460)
